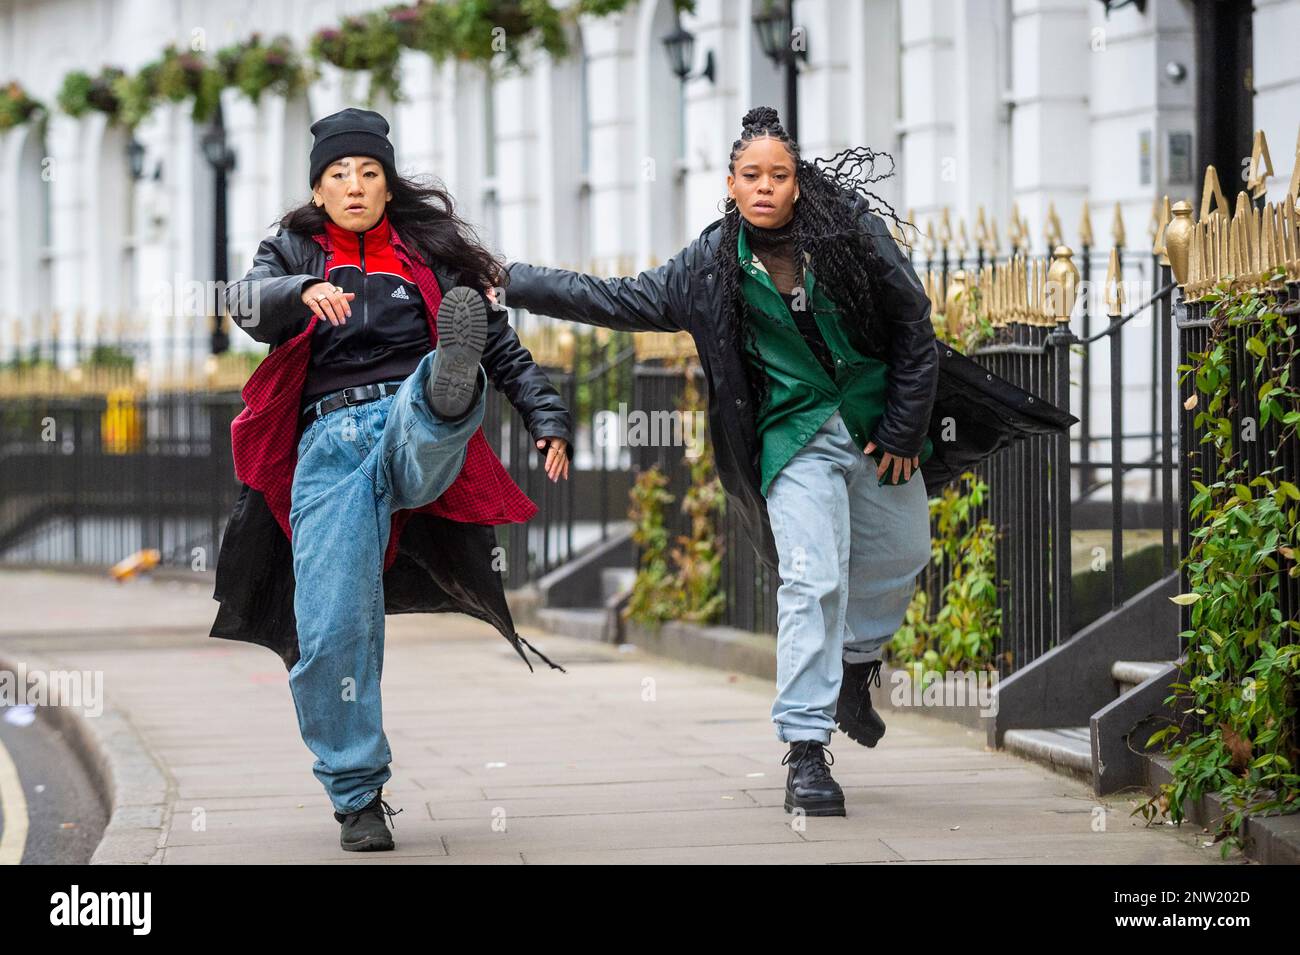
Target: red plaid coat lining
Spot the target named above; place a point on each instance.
(264, 436)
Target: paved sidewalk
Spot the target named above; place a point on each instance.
(626, 758)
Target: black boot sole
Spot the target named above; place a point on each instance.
(814, 807)
(859, 734)
(369, 845)
(462, 336)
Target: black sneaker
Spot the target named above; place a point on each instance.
(809, 785)
(854, 713)
(453, 385)
(366, 829)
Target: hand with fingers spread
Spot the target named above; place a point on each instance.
(900, 464)
(329, 302)
(557, 457)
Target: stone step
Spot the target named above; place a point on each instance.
(570, 622)
(615, 580)
(1067, 749)
(1129, 673)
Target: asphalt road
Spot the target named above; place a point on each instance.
(49, 811)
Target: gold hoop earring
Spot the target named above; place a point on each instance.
(722, 205)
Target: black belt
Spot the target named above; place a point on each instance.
(356, 395)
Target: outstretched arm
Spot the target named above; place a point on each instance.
(652, 301)
(267, 302)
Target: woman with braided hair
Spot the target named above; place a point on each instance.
(815, 337)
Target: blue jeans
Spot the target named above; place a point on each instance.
(849, 549)
(356, 466)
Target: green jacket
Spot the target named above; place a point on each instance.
(801, 396)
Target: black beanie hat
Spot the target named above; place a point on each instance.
(350, 132)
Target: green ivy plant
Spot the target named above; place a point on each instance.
(964, 633)
(697, 556)
(684, 583)
(1242, 657)
(654, 597)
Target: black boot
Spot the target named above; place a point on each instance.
(854, 713)
(366, 829)
(808, 785)
(453, 386)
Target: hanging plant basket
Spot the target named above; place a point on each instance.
(366, 43)
(16, 107)
(253, 67)
(82, 93)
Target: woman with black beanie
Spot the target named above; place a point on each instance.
(365, 415)
(815, 337)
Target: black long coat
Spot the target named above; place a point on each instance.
(441, 565)
(929, 382)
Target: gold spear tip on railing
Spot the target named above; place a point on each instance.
(955, 303)
(1261, 166)
(1117, 226)
(1114, 285)
(1055, 234)
(1212, 192)
(1293, 189)
(1085, 226)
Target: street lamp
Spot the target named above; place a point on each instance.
(222, 160)
(135, 157)
(774, 25)
(680, 45)
(219, 155)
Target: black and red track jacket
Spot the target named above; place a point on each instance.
(387, 334)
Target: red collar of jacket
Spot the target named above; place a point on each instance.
(346, 244)
(264, 436)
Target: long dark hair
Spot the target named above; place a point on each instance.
(825, 226)
(423, 213)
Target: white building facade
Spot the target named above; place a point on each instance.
(604, 160)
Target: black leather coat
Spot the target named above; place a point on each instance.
(287, 262)
(929, 382)
(442, 566)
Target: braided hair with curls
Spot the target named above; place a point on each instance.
(825, 225)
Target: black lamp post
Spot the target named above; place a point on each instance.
(680, 45)
(222, 160)
(775, 35)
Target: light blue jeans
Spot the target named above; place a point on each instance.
(356, 465)
(849, 550)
